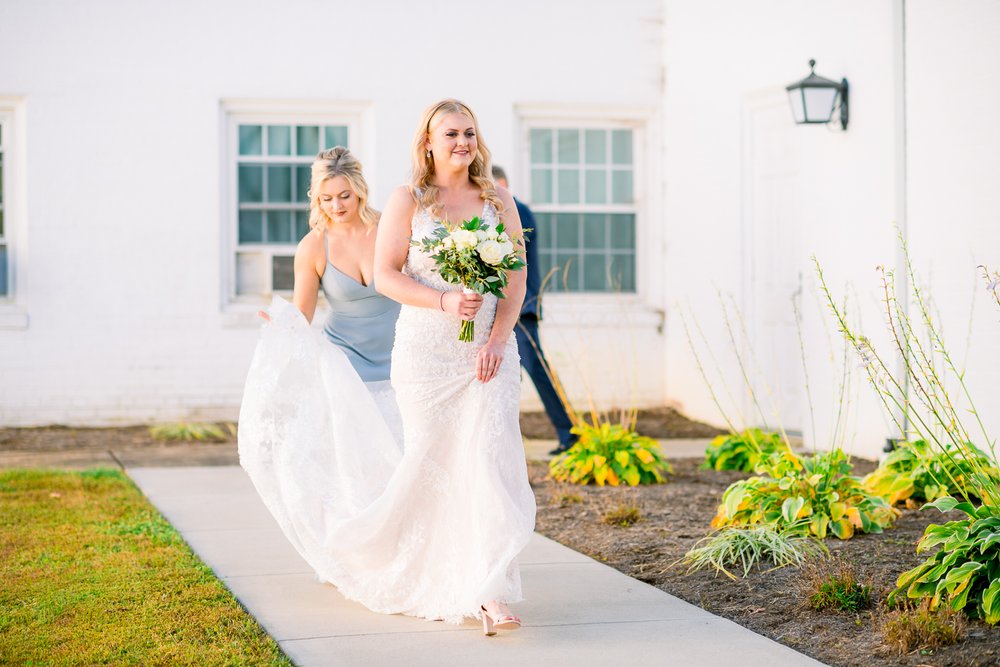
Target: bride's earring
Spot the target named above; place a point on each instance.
(428, 153)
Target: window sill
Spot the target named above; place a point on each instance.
(13, 318)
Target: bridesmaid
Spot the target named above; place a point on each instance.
(338, 255)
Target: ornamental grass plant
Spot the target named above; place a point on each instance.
(963, 570)
(743, 548)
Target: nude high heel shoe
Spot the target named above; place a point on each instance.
(493, 623)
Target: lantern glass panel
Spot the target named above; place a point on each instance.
(819, 104)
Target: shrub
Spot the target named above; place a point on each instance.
(623, 515)
(837, 585)
(919, 471)
(910, 628)
(964, 572)
(747, 547)
(742, 451)
(610, 454)
(812, 494)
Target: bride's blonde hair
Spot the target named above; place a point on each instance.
(421, 185)
(333, 162)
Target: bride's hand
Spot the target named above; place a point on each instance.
(488, 361)
(464, 305)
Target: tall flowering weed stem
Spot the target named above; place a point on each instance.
(963, 570)
(476, 256)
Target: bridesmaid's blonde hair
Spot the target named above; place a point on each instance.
(421, 185)
(333, 162)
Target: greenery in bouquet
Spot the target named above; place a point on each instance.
(476, 256)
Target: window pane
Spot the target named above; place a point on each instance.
(279, 227)
(569, 271)
(623, 273)
(251, 227)
(569, 186)
(623, 231)
(595, 231)
(621, 146)
(595, 277)
(251, 183)
(301, 224)
(1, 223)
(541, 147)
(282, 273)
(279, 140)
(550, 278)
(3, 270)
(543, 231)
(541, 186)
(335, 136)
(250, 139)
(569, 146)
(279, 183)
(596, 143)
(567, 231)
(302, 176)
(251, 273)
(597, 186)
(306, 140)
(1, 180)
(621, 187)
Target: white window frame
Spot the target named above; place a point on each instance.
(240, 310)
(13, 306)
(605, 308)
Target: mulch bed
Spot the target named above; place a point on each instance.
(677, 514)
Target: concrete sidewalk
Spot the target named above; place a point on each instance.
(578, 612)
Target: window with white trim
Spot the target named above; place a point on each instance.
(583, 197)
(270, 154)
(4, 252)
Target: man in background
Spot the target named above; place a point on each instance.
(528, 344)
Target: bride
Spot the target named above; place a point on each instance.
(434, 531)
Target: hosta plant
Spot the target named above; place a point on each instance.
(610, 454)
(920, 471)
(742, 451)
(815, 495)
(964, 572)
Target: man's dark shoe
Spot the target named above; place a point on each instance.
(563, 447)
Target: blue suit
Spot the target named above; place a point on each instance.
(526, 331)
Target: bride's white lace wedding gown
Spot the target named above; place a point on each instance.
(432, 530)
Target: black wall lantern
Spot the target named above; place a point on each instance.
(814, 99)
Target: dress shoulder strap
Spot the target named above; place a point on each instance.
(326, 248)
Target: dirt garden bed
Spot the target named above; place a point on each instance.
(677, 514)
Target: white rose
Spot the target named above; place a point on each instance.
(491, 252)
(503, 238)
(448, 243)
(481, 234)
(491, 234)
(506, 247)
(463, 239)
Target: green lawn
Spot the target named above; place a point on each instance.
(90, 573)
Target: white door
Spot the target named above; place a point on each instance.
(772, 263)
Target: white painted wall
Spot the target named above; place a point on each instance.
(727, 61)
(119, 240)
(954, 182)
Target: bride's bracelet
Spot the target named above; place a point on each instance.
(441, 301)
